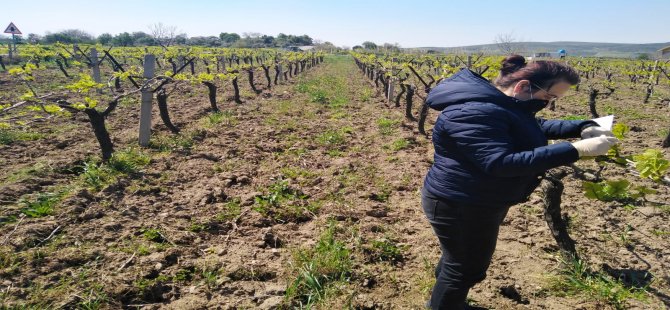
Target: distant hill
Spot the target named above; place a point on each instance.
(573, 48)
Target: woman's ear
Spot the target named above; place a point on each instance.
(522, 86)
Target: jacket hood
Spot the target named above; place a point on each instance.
(467, 86)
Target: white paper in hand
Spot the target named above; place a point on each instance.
(605, 121)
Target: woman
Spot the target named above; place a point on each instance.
(490, 153)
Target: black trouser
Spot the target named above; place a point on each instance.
(468, 235)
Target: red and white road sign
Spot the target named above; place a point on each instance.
(12, 29)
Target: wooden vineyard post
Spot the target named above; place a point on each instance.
(389, 95)
(95, 64)
(147, 96)
(422, 118)
(389, 88)
(593, 95)
(76, 56)
(9, 47)
(281, 75)
(651, 75)
(181, 61)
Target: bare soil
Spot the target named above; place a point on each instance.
(94, 248)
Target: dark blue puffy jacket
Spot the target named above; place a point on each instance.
(490, 149)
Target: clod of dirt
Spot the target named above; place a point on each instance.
(115, 187)
(228, 182)
(89, 215)
(271, 240)
(243, 179)
(249, 198)
(81, 199)
(188, 302)
(29, 236)
(254, 219)
(112, 226)
(63, 144)
(171, 257)
(377, 212)
(71, 257)
(376, 228)
(369, 282)
(346, 217)
(630, 277)
(209, 195)
(284, 95)
(273, 302)
(361, 302)
(512, 292)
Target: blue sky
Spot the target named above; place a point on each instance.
(348, 22)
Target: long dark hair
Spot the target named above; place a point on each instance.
(542, 73)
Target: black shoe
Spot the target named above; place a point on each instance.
(468, 307)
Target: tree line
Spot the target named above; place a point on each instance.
(155, 38)
(371, 46)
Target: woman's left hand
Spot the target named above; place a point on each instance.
(595, 131)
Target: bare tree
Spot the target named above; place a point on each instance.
(508, 43)
(163, 34)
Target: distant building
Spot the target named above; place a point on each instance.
(299, 48)
(542, 55)
(558, 54)
(664, 53)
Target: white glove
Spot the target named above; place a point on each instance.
(595, 131)
(595, 146)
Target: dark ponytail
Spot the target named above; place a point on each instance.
(542, 72)
(512, 63)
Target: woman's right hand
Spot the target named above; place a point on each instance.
(595, 146)
(595, 131)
